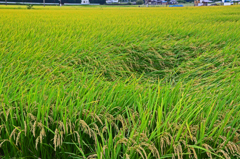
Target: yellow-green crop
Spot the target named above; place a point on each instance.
(119, 82)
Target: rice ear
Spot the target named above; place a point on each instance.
(92, 156)
(3, 142)
(209, 148)
(127, 156)
(25, 128)
(37, 141)
(34, 128)
(224, 154)
(194, 152)
(18, 137)
(13, 133)
(55, 139)
(78, 137)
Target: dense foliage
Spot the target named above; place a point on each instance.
(117, 83)
(139, 2)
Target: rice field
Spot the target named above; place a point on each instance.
(122, 82)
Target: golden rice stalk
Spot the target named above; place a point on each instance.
(92, 156)
(168, 139)
(122, 141)
(37, 141)
(162, 143)
(3, 142)
(223, 138)
(229, 146)
(226, 149)
(1, 127)
(236, 138)
(104, 148)
(34, 128)
(104, 129)
(152, 148)
(84, 126)
(42, 134)
(61, 138)
(18, 137)
(13, 133)
(144, 152)
(137, 150)
(96, 117)
(94, 136)
(179, 147)
(127, 156)
(25, 128)
(32, 117)
(58, 139)
(78, 136)
(113, 124)
(194, 139)
(62, 127)
(133, 141)
(109, 117)
(176, 151)
(189, 152)
(209, 148)
(238, 149)
(96, 128)
(224, 154)
(55, 139)
(40, 125)
(7, 113)
(184, 143)
(142, 136)
(194, 152)
(235, 147)
(121, 119)
(50, 119)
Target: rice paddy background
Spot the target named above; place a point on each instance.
(102, 82)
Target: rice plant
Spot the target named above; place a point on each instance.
(102, 82)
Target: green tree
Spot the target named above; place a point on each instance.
(139, 2)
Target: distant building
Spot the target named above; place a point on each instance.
(235, 1)
(205, 2)
(226, 2)
(111, 1)
(201, 2)
(223, 2)
(85, 2)
(157, 2)
(173, 2)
